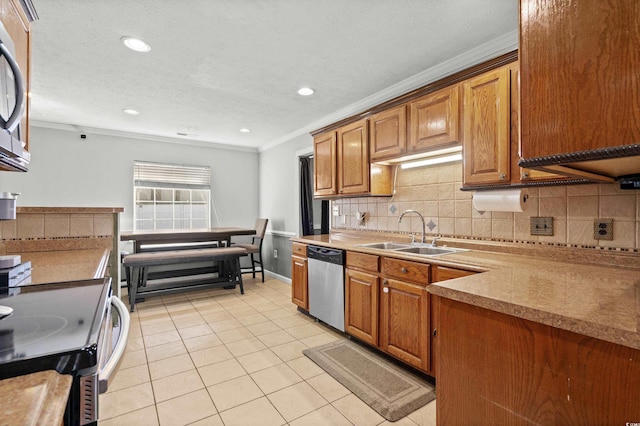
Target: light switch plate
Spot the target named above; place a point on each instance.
(603, 229)
(542, 226)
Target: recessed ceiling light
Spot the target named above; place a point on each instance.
(245, 130)
(306, 91)
(135, 44)
(131, 111)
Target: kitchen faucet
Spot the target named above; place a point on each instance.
(421, 218)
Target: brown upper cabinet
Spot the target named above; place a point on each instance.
(492, 133)
(353, 158)
(487, 128)
(579, 87)
(342, 166)
(388, 132)
(325, 164)
(435, 120)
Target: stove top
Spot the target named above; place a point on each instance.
(53, 326)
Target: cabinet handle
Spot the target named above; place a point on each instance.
(502, 176)
(385, 282)
(435, 332)
(524, 176)
(403, 270)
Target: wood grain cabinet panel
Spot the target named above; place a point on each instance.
(487, 128)
(325, 160)
(404, 322)
(353, 158)
(510, 371)
(299, 281)
(388, 133)
(579, 66)
(361, 305)
(435, 120)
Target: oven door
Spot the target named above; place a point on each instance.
(113, 340)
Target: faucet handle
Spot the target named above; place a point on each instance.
(434, 241)
(413, 239)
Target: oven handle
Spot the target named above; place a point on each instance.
(116, 356)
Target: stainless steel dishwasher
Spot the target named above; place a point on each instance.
(326, 285)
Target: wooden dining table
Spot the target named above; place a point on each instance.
(221, 236)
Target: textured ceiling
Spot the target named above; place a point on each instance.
(216, 66)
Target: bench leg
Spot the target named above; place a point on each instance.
(133, 287)
(238, 273)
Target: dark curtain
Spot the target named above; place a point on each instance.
(306, 196)
(325, 217)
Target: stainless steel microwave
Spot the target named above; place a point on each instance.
(12, 108)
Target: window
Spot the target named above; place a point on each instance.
(168, 196)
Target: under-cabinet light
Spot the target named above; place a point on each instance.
(432, 161)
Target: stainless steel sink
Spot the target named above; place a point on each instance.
(387, 245)
(428, 251)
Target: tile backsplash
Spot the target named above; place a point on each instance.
(435, 193)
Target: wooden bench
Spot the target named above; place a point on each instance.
(137, 266)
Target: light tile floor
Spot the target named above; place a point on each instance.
(216, 357)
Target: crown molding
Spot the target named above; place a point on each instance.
(141, 136)
(486, 51)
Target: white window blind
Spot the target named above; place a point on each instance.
(170, 196)
(157, 174)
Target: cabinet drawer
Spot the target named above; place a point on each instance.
(299, 249)
(405, 270)
(367, 262)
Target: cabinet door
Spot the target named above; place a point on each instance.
(299, 286)
(388, 133)
(361, 305)
(353, 158)
(435, 120)
(404, 322)
(486, 128)
(324, 157)
(579, 67)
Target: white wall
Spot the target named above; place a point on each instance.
(279, 200)
(67, 171)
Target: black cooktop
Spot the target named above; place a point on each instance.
(52, 327)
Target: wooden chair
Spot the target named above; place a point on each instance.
(254, 249)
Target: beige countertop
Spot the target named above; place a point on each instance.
(66, 265)
(34, 399)
(596, 299)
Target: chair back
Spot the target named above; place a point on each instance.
(261, 228)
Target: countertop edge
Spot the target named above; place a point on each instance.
(79, 210)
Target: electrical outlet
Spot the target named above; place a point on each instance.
(336, 211)
(541, 226)
(275, 253)
(603, 229)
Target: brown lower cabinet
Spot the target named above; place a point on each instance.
(498, 369)
(299, 281)
(394, 315)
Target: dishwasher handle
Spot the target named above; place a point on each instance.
(325, 254)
